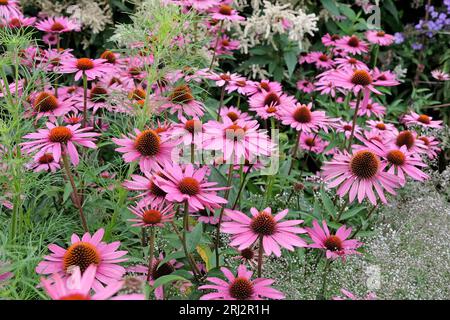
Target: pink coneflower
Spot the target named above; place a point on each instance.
(4, 275)
(330, 40)
(242, 86)
(207, 217)
(19, 22)
(222, 79)
(202, 4)
(147, 146)
(56, 139)
(85, 252)
(240, 287)
(248, 255)
(150, 192)
(158, 270)
(58, 25)
(321, 60)
(409, 139)
(9, 9)
(45, 162)
(79, 286)
(350, 296)
(269, 104)
(305, 86)
(92, 68)
(182, 100)
(430, 145)
(384, 78)
(379, 37)
(263, 225)
(325, 87)
(382, 128)
(440, 75)
(358, 174)
(226, 45)
(50, 39)
(346, 128)
(225, 12)
(188, 131)
(150, 214)
(301, 118)
(336, 245)
(312, 142)
(51, 58)
(349, 62)
(189, 185)
(96, 99)
(238, 140)
(45, 104)
(372, 108)
(400, 161)
(234, 114)
(352, 44)
(357, 80)
(422, 120)
(269, 86)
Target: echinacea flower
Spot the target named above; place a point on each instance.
(430, 146)
(268, 104)
(150, 191)
(4, 275)
(322, 60)
(301, 118)
(440, 75)
(147, 146)
(350, 296)
(350, 62)
(408, 139)
(346, 128)
(335, 245)
(226, 45)
(45, 162)
(400, 161)
(383, 128)
(238, 140)
(157, 270)
(225, 12)
(20, 22)
(45, 104)
(357, 174)
(79, 286)
(58, 25)
(379, 37)
(371, 108)
(187, 184)
(9, 9)
(240, 287)
(188, 131)
(352, 44)
(57, 139)
(202, 4)
(82, 253)
(357, 80)
(305, 86)
(330, 40)
(149, 214)
(234, 113)
(248, 255)
(92, 68)
(273, 232)
(181, 100)
(242, 86)
(96, 98)
(269, 86)
(422, 120)
(312, 143)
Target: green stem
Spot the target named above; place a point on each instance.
(355, 115)
(76, 196)
(222, 96)
(183, 239)
(375, 56)
(241, 187)
(215, 46)
(260, 256)
(324, 279)
(151, 251)
(294, 151)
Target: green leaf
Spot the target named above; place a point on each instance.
(327, 203)
(348, 12)
(166, 279)
(193, 238)
(331, 6)
(67, 191)
(291, 61)
(350, 213)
